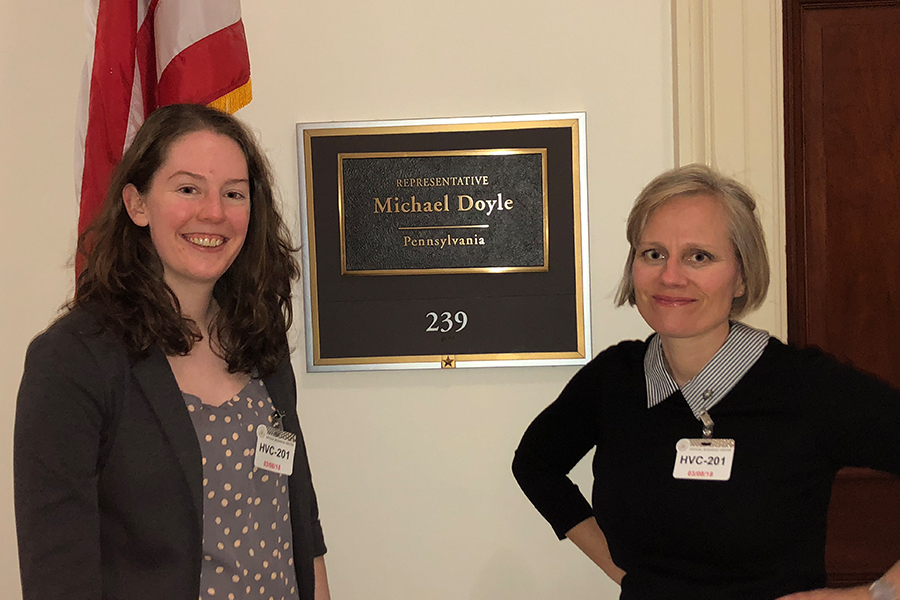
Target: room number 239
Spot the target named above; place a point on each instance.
(445, 321)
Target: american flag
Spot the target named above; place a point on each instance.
(147, 54)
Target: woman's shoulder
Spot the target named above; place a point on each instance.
(790, 357)
(77, 322)
(79, 330)
(626, 352)
(816, 370)
(619, 359)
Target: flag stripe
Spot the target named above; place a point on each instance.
(145, 57)
(188, 78)
(182, 23)
(90, 17)
(112, 79)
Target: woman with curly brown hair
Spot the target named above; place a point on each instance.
(158, 453)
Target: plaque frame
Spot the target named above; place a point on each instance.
(338, 308)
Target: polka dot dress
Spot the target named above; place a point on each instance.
(246, 514)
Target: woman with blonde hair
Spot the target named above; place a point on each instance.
(715, 444)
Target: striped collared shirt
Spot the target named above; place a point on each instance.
(741, 350)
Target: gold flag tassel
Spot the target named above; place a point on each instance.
(234, 100)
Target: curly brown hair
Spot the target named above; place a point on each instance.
(122, 278)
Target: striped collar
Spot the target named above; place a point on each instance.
(740, 351)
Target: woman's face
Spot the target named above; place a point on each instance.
(197, 208)
(685, 270)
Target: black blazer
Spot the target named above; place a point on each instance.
(108, 474)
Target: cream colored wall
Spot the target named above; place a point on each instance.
(412, 468)
(41, 54)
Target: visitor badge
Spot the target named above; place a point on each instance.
(275, 450)
(706, 459)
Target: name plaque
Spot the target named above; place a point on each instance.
(445, 243)
(443, 212)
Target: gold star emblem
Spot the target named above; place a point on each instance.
(448, 362)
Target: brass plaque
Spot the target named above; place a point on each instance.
(464, 211)
(445, 243)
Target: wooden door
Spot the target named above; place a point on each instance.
(842, 150)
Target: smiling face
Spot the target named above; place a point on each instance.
(685, 270)
(197, 208)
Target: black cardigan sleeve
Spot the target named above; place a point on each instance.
(863, 414)
(553, 444)
(59, 418)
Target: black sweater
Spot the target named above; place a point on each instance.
(797, 417)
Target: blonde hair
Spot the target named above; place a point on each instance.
(745, 230)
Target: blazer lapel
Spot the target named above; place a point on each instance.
(155, 378)
(281, 387)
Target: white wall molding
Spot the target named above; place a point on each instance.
(729, 112)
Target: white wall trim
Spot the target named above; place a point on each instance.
(729, 112)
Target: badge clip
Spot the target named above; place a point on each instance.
(707, 425)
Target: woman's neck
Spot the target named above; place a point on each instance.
(686, 357)
(200, 312)
(196, 303)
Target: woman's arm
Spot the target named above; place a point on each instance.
(865, 416)
(304, 505)
(322, 591)
(553, 444)
(55, 454)
(589, 538)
